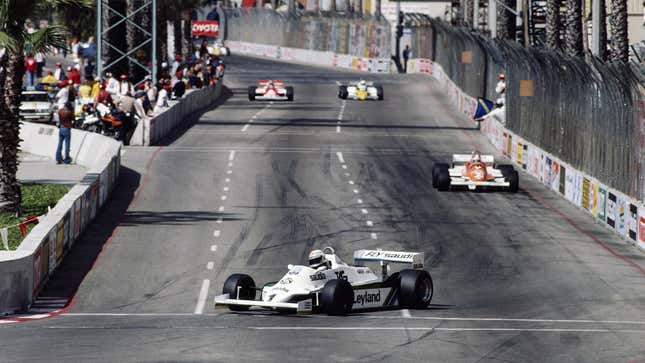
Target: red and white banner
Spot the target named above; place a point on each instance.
(205, 28)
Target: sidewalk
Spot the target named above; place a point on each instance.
(43, 170)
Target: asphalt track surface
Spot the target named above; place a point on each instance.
(252, 187)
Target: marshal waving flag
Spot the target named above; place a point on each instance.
(205, 28)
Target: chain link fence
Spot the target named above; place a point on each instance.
(585, 112)
(362, 37)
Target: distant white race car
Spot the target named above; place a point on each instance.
(361, 90)
(329, 285)
(35, 106)
(271, 90)
(474, 171)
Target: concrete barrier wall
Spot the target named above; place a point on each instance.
(152, 130)
(310, 57)
(24, 271)
(615, 210)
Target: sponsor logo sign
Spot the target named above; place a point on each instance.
(205, 28)
(611, 210)
(621, 216)
(563, 174)
(602, 203)
(370, 298)
(318, 276)
(586, 194)
(633, 222)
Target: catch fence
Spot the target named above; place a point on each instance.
(362, 37)
(588, 113)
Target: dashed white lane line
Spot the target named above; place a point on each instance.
(351, 182)
(227, 180)
(338, 83)
(230, 165)
(359, 200)
(370, 223)
(225, 189)
(203, 294)
(224, 197)
(221, 208)
(374, 236)
(219, 220)
(210, 265)
(217, 233)
(406, 313)
(364, 211)
(340, 157)
(338, 128)
(355, 191)
(214, 248)
(344, 167)
(429, 328)
(231, 156)
(245, 127)
(229, 172)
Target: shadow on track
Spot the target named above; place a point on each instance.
(173, 218)
(313, 122)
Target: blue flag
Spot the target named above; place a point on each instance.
(484, 107)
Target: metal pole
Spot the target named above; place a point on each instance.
(492, 18)
(525, 22)
(476, 14)
(154, 41)
(99, 38)
(595, 27)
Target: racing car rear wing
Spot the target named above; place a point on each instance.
(413, 258)
(462, 158)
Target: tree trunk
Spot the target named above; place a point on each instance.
(10, 194)
(619, 38)
(188, 43)
(573, 29)
(506, 20)
(553, 24)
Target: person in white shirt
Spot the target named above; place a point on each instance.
(125, 86)
(501, 90)
(62, 97)
(162, 99)
(112, 86)
(59, 73)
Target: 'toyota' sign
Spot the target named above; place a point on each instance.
(207, 28)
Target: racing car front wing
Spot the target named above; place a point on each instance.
(473, 184)
(302, 307)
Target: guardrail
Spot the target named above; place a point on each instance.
(23, 272)
(621, 213)
(150, 130)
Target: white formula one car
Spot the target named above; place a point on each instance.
(474, 171)
(331, 286)
(271, 90)
(361, 90)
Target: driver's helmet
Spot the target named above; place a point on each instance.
(362, 84)
(316, 259)
(476, 157)
(270, 84)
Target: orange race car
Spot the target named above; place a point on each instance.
(474, 171)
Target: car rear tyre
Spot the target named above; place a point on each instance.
(511, 176)
(435, 172)
(416, 289)
(246, 287)
(379, 92)
(342, 92)
(251, 93)
(337, 297)
(289, 93)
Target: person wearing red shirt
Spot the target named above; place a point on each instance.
(103, 96)
(30, 67)
(75, 76)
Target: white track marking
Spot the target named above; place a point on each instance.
(374, 236)
(214, 248)
(406, 328)
(359, 200)
(370, 223)
(245, 127)
(128, 314)
(227, 180)
(225, 189)
(340, 157)
(338, 83)
(219, 220)
(347, 174)
(517, 320)
(355, 191)
(231, 156)
(217, 233)
(203, 294)
(344, 167)
(221, 208)
(338, 128)
(351, 182)
(364, 211)
(229, 172)
(230, 165)
(224, 197)
(406, 313)
(210, 265)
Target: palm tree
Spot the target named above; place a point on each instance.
(619, 38)
(553, 24)
(573, 31)
(15, 39)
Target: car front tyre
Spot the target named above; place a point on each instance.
(289, 93)
(246, 286)
(337, 297)
(416, 289)
(251, 93)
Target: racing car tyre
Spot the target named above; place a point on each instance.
(342, 92)
(251, 93)
(511, 175)
(247, 289)
(289, 93)
(443, 179)
(379, 92)
(416, 289)
(337, 297)
(435, 172)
